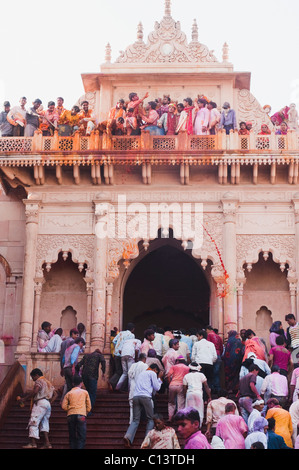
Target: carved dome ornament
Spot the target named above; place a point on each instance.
(167, 43)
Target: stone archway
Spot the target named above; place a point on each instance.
(166, 287)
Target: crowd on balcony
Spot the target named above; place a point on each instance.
(163, 116)
(20, 121)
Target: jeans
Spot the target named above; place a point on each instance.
(126, 362)
(228, 128)
(77, 431)
(91, 386)
(140, 403)
(117, 372)
(68, 375)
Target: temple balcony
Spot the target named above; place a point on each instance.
(101, 153)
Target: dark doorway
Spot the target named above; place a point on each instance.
(166, 288)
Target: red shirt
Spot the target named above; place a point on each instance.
(213, 338)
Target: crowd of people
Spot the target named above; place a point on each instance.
(240, 394)
(243, 395)
(162, 116)
(20, 121)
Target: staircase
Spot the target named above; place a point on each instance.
(105, 428)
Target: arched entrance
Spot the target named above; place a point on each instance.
(167, 287)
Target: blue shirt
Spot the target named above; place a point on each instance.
(275, 441)
(5, 127)
(228, 120)
(146, 383)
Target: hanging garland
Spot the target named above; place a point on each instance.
(225, 290)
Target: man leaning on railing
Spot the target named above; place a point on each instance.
(6, 127)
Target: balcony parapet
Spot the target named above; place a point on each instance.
(101, 153)
(130, 148)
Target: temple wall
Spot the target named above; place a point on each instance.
(12, 240)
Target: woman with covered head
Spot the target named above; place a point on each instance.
(193, 383)
(283, 129)
(275, 330)
(264, 130)
(232, 359)
(260, 427)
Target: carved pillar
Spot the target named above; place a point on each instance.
(296, 250)
(293, 297)
(109, 293)
(240, 291)
(100, 268)
(9, 327)
(220, 289)
(38, 287)
(89, 294)
(31, 212)
(229, 205)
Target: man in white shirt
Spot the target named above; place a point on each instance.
(17, 117)
(158, 342)
(147, 383)
(204, 353)
(129, 354)
(133, 373)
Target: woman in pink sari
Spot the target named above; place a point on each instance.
(232, 429)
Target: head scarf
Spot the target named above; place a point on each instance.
(259, 424)
(275, 327)
(151, 353)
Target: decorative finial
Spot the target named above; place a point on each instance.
(140, 32)
(167, 7)
(225, 56)
(108, 53)
(194, 31)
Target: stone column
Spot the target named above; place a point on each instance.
(229, 205)
(38, 287)
(220, 309)
(293, 297)
(89, 296)
(240, 290)
(109, 293)
(296, 248)
(100, 269)
(31, 212)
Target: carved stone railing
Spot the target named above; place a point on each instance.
(119, 145)
(229, 153)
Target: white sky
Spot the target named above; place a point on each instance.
(47, 45)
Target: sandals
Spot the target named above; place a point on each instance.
(29, 446)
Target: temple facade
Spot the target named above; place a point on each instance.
(173, 230)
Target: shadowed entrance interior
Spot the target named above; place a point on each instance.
(166, 288)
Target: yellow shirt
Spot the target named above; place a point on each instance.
(76, 402)
(68, 118)
(283, 424)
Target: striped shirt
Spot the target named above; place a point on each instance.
(294, 334)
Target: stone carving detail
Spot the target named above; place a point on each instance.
(80, 246)
(90, 97)
(167, 43)
(282, 248)
(249, 109)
